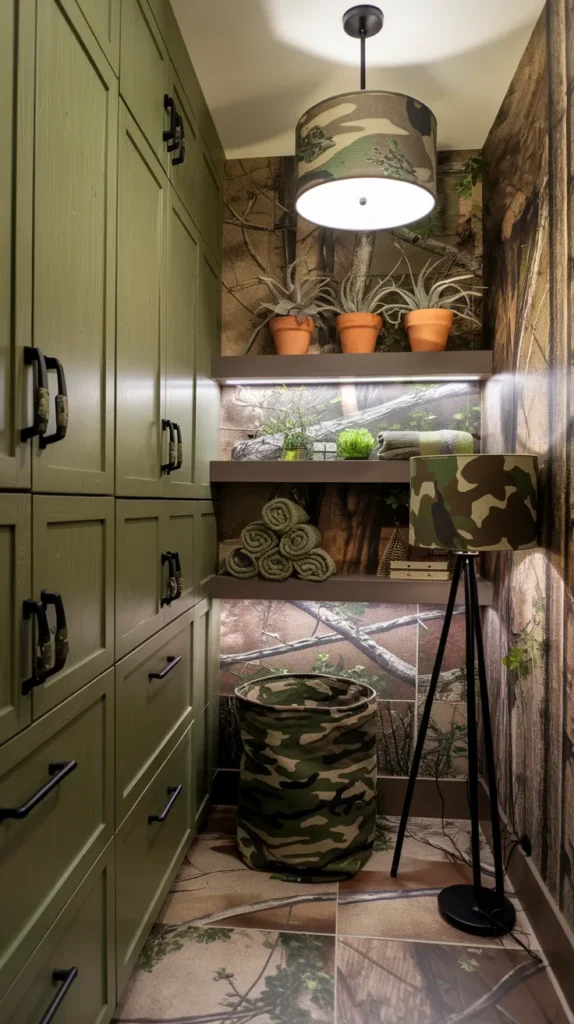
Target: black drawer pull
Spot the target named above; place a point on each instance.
(66, 978)
(181, 155)
(61, 404)
(168, 466)
(169, 105)
(171, 588)
(172, 661)
(58, 770)
(62, 646)
(178, 447)
(43, 657)
(176, 138)
(35, 357)
(177, 573)
(174, 791)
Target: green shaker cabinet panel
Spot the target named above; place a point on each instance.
(16, 166)
(142, 207)
(45, 855)
(149, 851)
(181, 337)
(103, 17)
(15, 587)
(210, 212)
(83, 936)
(144, 73)
(140, 577)
(206, 390)
(74, 247)
(202, 763)
(73, 555)
(184, 175)
(206, 542)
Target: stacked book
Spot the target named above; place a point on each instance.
(433, 570)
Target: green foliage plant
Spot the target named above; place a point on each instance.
(355, 444)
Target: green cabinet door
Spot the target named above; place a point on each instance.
(141, 579)
(15, 588)
(74, 246)
(16, 168)
(206, 390)
(83, 937)
(184, 175)
(182, 259)
(73, 555)
(141, 445)
(210, 203)
(144, 73)
(103, 17)
(201, 764)
(206, 543)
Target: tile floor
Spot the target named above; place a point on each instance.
(233, 946)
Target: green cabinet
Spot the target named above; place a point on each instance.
(46, 853)
(15, 588)
(206, 542)
(82, 937)
(184, 176)
(103, 17)
(210, 208)
(206, 390)
(16, 167)
(144, 73)
(73, 555)
(74, 247)
(205, 701)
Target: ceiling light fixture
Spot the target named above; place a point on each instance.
(366, 160)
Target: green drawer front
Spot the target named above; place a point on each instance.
(82, 937)
(148, 855)
(151, 712)
(44, 856)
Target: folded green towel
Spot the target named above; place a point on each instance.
(299, 540)
(315, 565)
(281, 514)
(274, 566)
(241, 564)
(405, 444)
(258, 539)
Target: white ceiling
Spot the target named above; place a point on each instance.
(261, 63)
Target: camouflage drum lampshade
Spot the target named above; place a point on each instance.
(473, 502)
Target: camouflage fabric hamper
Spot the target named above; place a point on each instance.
(307, 798)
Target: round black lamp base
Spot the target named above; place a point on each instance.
(458, 906)
(365, 19)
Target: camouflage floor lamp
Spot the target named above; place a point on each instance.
(468, 504)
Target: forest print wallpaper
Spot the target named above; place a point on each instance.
(528, 233)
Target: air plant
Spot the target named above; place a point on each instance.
(298, 297)
(446, 293)
(354, 298)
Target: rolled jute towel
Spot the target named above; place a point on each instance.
(258, 539)
(315, 565)
(406, 444)
(274, 565)
(281, 514)
(241, 564)
(299, 540)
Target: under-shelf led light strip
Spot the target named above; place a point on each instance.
(384, 378)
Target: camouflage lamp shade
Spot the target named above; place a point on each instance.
(473, 502)
(366, 161)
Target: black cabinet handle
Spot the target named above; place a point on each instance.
(179, 159)
(66, 979)
(177, 572)
(172, 661)
(62, 647)
(35, 357)
(58, 770)
(177, 135)
(169, 105)
(174, 791)
(61, 402)
(171, 589)
(171, 463)
(43, 658)
(178, 447)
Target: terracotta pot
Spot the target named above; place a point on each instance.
(291, 334)
(358, 332)
(428, 329)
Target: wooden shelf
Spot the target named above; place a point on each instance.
(341, 588)
(359, 471)
(338, 367)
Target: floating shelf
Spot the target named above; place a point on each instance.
(335, 471)
(341, 368)
(341, 588)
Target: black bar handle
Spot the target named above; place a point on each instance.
(178, 447)
(177, 572)
(171, 589)
(177, 135)
(169, 105)
(62, 647)
(58, 770)
(61, 403)
(172, 661)
(173, 793)
(66, 979)
(35, 357)
(43, 658)
(179, 159)
(170, 465)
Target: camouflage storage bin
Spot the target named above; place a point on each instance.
(308, 775)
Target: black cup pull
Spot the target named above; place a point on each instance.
(61, 403)
(179, 159)
(61, 644)
(169, 105)
(172, 661)
(177, 572)
(178, 447)
(58, 770)
(35, 357)
(43, 656)
(173, 793)
(177, 135)
(171, 588)
(171, 463)
(65, 979)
